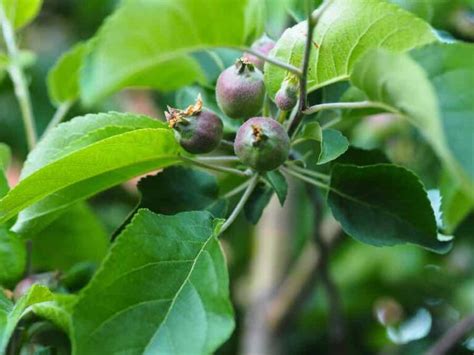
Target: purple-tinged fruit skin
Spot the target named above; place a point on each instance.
(287, 96)
(240, 93)
(284, 100)
(263, 45)
(264, 154)
(202, 134)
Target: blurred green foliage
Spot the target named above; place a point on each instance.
(413, 277)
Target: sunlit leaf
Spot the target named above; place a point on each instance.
(63, 78)
(22, 12)
(344, 33)
(82, 157)
(149, 42)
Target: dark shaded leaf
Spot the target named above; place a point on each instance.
(179, 189)
(259, 199)
(383, 205)
(278, 183)
(362, 157)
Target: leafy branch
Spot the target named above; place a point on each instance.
(311, 23)
(18, 78)
(299, 284)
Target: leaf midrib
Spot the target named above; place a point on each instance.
(5, 216)
(186, 280)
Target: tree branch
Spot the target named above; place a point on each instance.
(302, 103)
(269, 261)
(300, 283)
(295, 287)
(453, 336)
(337, 326)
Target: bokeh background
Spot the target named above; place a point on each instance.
(423, 293)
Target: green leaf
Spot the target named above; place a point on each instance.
(455, 204)
(166, 279)
(443, 117)
(297, 9)
(213, 62)
(10, 314)
(450, 70)
(82, 157)
(75, 237)
(22, 12)
(4, 60)
(3, 66)
(422, 9)
(344, 33)
(277, 16)
(5, 157)
(362, 157)
(179, 189)
(63, 78)
(330, 142)
(383, 76)
(78, 276)
(82, 131)
(58, 310)
(383, 205)
(333, 145)
(311, 131)
(12, 257)
(258, 200)
(149, 42)
(278, 183)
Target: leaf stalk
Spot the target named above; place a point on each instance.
(240, 205)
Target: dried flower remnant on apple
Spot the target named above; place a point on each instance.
(262, 143)
(200, 130)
